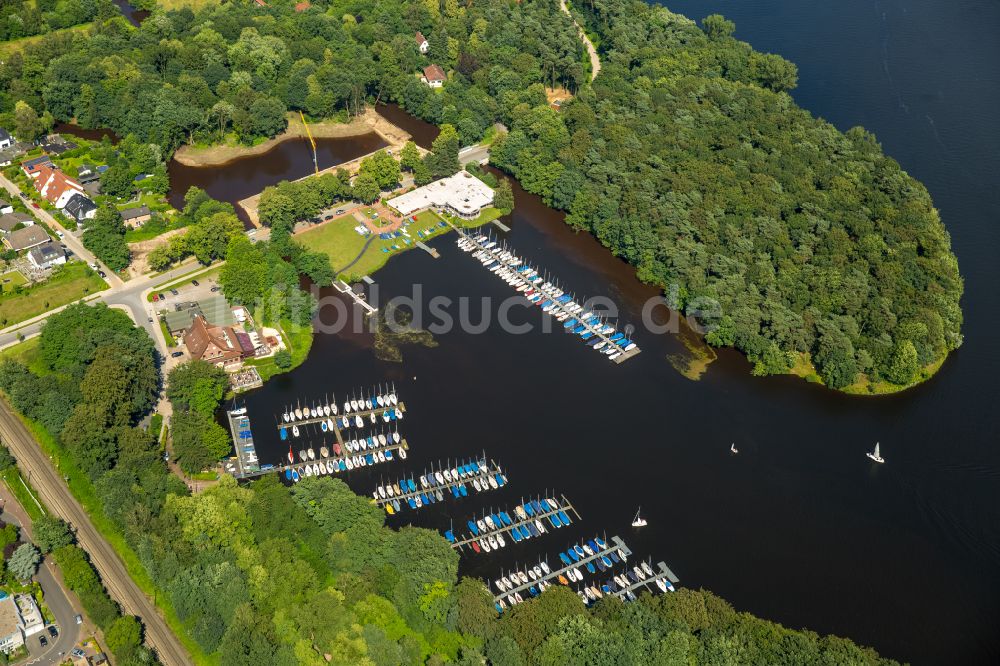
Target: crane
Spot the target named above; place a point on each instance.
(311, 141)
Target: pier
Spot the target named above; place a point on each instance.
(300, 466)
(246, 461)
(345, 288)
(428, 249)
(365, 415)
(564, 505)
(486, 471)
(663, 573)
(615, 544)
(556, 308)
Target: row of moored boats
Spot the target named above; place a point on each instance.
(433, 486)
(528, 522)
(524, 278)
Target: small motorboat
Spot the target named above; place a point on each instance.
(295, 431)
(358, 422)
(311, 454)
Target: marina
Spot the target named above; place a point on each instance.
(544, 292)
(661, 578)
(488, 533)
(435, 486)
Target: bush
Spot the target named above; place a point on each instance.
(283, 359)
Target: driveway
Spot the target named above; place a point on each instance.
(55, 598)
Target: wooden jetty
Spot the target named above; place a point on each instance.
(483, 476)
(564, 505)
(557, 308)
(345, 288)
(428, 249)
(615, 544)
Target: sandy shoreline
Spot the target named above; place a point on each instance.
(367, 122)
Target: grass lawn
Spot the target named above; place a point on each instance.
(25, 494)
(342, 243)
(68, 283)
(10, 280)
(9, 47)
(160, 224)
(27, 352)
(298, 340)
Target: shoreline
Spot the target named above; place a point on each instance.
(223, 154)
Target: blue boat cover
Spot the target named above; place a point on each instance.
(563, 517)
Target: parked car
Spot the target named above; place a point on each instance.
(23, 195)
(60, 234)
(43, 641)
(177, 354)
(35, 204)
(194, 282)
(214, 289)
(93, 265)
(53, 631)
(79, 619)
(339, 211)
(162, 297)
(156, 297)
(175, 292)
(150, 320)
(328, 217)
(102, 274)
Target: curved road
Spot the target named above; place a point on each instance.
(56, 496)
(595, 62)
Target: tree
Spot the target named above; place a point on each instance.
(382, 168)
(716, 26)
(904, 364)
(366, 189)
(117, 181)
(105, 237)
(244, 277)
(23, 562)
(51, 533)
(209, 238)
(443, 158)
(7, 460)
(124, 637)
(283, 359)
(503, 197)
(198, 441)
(409, 156)
(197, 385)
(27, 125)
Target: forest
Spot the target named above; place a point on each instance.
(261, 573)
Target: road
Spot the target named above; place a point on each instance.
(71, 241)
(56, 496)
(595, 62)
(55, 598)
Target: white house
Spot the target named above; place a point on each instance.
(6, 140)
(463, 195)
(422, 43)
(19, 618)
(434, 76)
(5, 207)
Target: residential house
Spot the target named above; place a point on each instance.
(54, 144)
(302, 6)
(87, 173)
(218, 345)
(46, 255)
(135, 217)
(8, 155)
(19, 618)
(27, 238)
(422, 43)
(80, 208)
(56, 187)
(5, 207)
(10, 220)
(31, 167)
(433, 76)
(6, 140)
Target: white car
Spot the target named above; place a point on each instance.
(60, 234)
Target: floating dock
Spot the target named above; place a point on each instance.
(340, 462)
(616, 544)
(506, 530)
(664, 573)
(345, 288)
(247, 463)
(486, 471)
(556, 307)
(428, 249)
(337, 419)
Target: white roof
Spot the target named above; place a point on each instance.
(463, 192)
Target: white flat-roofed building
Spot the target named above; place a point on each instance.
(463, 195)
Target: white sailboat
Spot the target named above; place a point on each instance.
(733, 448)
(638, 521)
(874, 455)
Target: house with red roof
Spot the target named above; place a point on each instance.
(422, 42)
(56, 187)
(434, 76)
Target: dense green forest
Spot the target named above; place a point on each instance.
(686, 156)
(266, 574)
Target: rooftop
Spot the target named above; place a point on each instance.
(462, 192)
(139, 211)
(434, 73)
(22, 239)
(10, 619)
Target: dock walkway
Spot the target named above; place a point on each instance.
(650, 582)
(564, 505)
(247, 463)
(483, 477)
(345, 288)
(615, 544)
(557, 308)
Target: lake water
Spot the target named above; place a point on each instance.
(799, 527)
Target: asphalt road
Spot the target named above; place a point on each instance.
(57, 601)
(36, 466)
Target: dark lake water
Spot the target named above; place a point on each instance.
(799, 527)
(289, 160)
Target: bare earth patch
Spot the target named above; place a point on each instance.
(141, 250)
